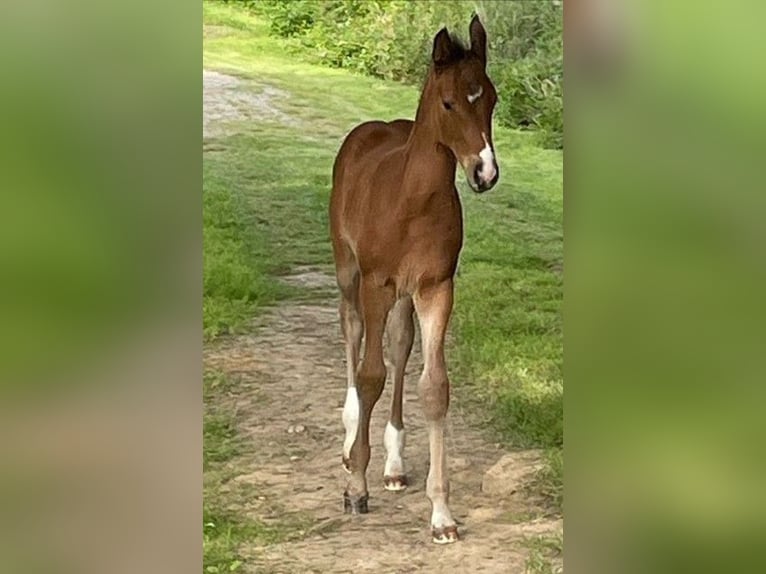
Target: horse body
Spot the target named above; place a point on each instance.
(387, 210)
(397, 231)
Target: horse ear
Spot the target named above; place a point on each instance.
(442, 51)
(478, 39)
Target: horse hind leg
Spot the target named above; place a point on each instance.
(352, 328)
(401, 334)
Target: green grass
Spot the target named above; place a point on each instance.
(275, 181)
(236, 277)
(544, 552)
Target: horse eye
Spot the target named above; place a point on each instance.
(447, 105)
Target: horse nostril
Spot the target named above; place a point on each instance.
(477, 172)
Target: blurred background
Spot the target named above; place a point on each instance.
(290, 80)
(100, 289)
(664, 286)
(100, 219)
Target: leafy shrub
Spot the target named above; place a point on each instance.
(534, 97)
(246, 3)
(526, 42)
(391, 39)
(289, 19)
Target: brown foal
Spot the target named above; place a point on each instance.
(397, 231)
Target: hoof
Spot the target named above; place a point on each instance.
(445, 535)
(356, 505)
(395, 483)
(346, 464)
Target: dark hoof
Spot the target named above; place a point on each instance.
(346, 464)
(445, 535)
(355, 505)
(395, 483)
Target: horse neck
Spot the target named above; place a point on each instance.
(430, 163)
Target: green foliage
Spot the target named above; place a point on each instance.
(246, 3)
(233, 276)
(526, 44)
(552, 477)
(391, 39)
(537, 98)
(545, 554)
(289, 18)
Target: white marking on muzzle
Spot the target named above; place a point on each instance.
(487, 156)
(350, 419)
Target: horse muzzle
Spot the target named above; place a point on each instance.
(482, 175)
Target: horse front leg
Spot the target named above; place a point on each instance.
(434, 306)
(371, 377)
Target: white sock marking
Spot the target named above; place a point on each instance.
(393, 440)
(441, 516)
(350, 419)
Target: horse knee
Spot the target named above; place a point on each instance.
(434, 395)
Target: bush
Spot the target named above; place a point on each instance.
(289, 19)
(391, 39)
(535, 99)
(526, 40)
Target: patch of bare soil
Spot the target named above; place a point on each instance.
(292, 373)
(228, 101)
(308, 277)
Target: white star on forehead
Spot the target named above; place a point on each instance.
(473, 97)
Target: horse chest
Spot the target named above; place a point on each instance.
(413, 251)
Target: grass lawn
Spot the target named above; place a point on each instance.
(266, 191)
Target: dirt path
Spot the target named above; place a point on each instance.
(292, 374)
(291, 388)
(228, 100)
